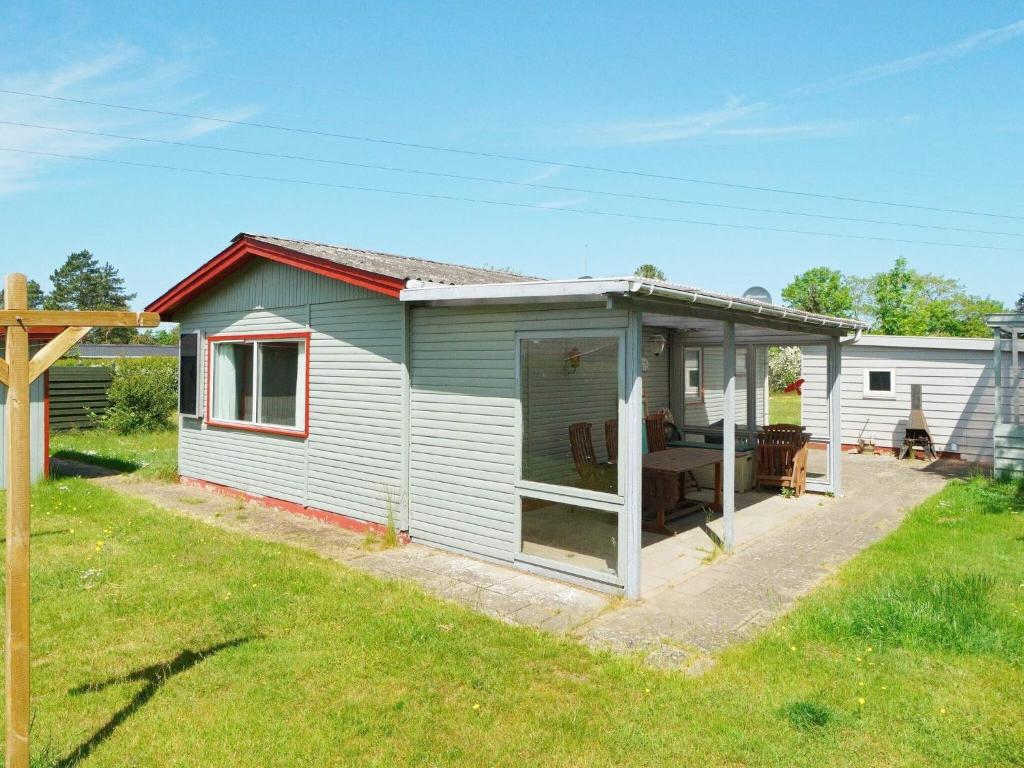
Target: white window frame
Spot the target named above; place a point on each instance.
(874, 394)
(301, 385)
(689, 399)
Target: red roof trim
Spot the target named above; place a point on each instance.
(243, 250)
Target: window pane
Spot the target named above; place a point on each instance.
(279, 382)
(565, 382)
(232, 381)
(188, 369)
(566, 533)
(692, 377)
(880, 381)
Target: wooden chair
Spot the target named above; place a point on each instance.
(656, 439)
(611, 440)
(782, 457)
(594, 475)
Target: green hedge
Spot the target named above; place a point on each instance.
(143, 395)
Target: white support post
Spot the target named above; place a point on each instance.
(751, 395)
(997, 375)
(1015, 377)
(632, 458)
(729, 436)
(835, 416)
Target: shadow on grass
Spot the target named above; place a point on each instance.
(105, 462)
(154, 677)
(39, 534)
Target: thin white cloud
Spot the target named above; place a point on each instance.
(548, 173)
(980, 41)
(733, 120)
(115, 74)
(739, 120)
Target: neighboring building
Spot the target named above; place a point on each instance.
(120, 351)
(957, 386)
(358, 385)
(1008, 421)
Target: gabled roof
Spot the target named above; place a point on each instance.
(383, 273)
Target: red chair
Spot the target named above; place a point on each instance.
(796, 386)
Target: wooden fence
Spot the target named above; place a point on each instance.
(75, 391)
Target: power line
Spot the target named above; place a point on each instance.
(508, 182)
(513, 158)
(507, 204)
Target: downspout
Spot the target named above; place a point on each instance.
(854, 339)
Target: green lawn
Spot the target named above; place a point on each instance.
(151, 454)
(159, 641)
(784, 408)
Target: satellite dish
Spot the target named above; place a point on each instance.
(757, 293)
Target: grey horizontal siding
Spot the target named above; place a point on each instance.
(37, 430)
(1009, 449)
(463, 420)
(355, 429)
(711, 409)
(351, 462)
(957, 388)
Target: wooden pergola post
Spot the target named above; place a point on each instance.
(17, 372)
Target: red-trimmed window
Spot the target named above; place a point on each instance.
(259, 382)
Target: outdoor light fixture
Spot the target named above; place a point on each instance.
(658, 343)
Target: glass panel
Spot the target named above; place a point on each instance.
(279, 382)
(570, 534)
(570, 382)
(188, 369)
(692, 374)
(880, 381)
(232, 381)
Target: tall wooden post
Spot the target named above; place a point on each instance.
(17, 372)
(18, 487)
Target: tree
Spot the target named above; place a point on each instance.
(649, 271)
(821, 290)
(911, 303)
(81, 282)
(36, 297)
(1020, 303)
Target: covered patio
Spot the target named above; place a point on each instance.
(645, 383)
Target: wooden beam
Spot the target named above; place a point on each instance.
(54, 349)
(5, 375)
(17, 592)
(32, 318)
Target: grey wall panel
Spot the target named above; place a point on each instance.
(37, 427)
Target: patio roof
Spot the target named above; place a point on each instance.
(660, 299)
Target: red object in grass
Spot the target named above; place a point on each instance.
(796, 386)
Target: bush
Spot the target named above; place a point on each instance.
(143, 395)
(784, 364)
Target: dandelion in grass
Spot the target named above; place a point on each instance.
(942, 710)
(792, 647)
(861, 701)
(476, 706)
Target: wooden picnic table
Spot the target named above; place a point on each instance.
(679, 461)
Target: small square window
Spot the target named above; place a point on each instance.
(879, 383)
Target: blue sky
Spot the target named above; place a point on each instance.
(918, 104)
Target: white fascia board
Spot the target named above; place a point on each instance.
(925, 342)
(616, 286)
(540, 289)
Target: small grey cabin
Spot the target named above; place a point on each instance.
(495, 415)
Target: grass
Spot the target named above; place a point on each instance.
(150, 454)
(159, 641)
(784, 408)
